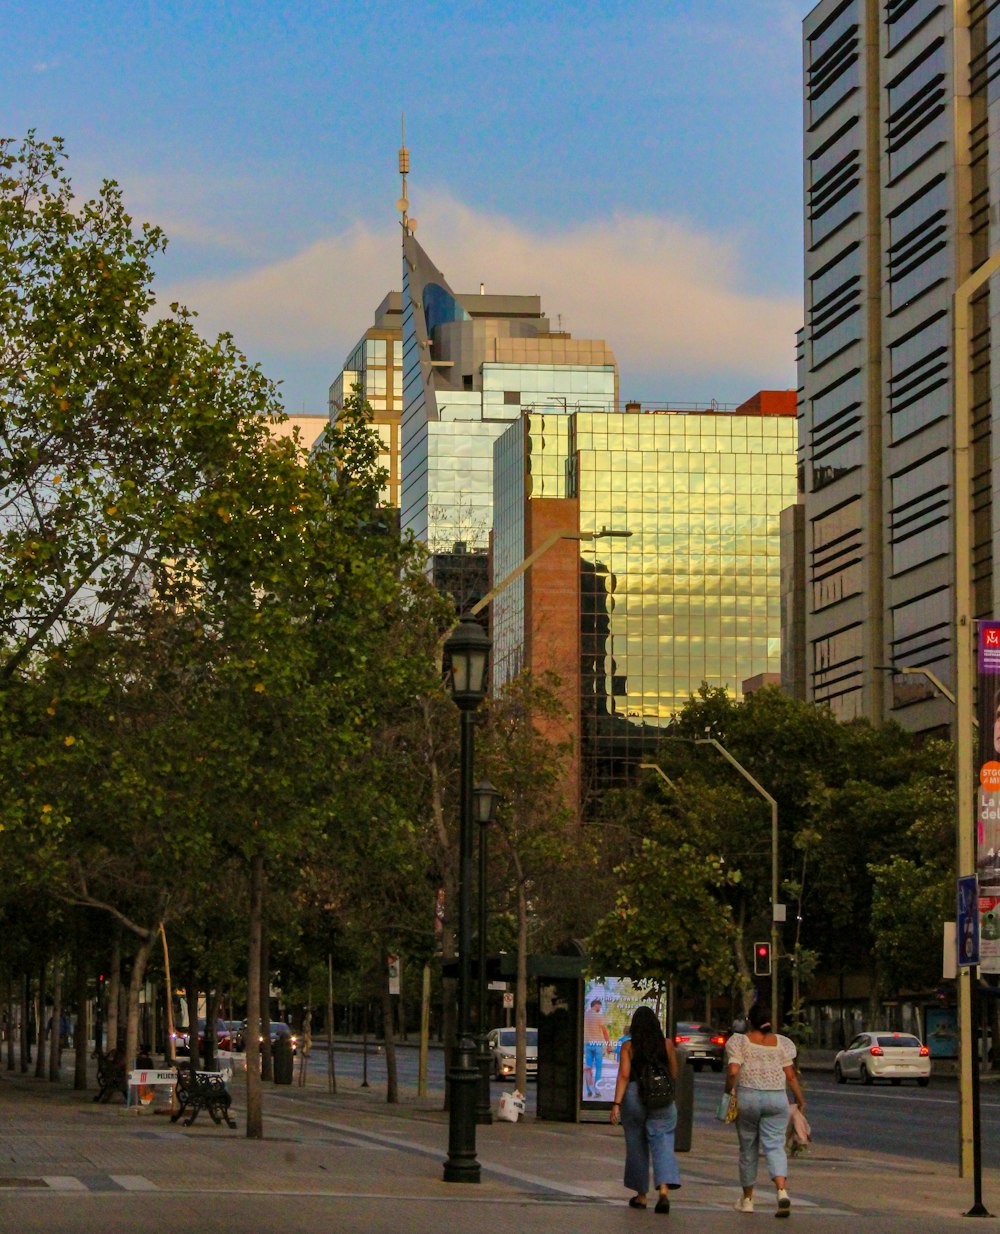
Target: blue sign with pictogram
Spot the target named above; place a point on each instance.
(967, 921)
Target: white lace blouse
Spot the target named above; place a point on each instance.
(761, 1066)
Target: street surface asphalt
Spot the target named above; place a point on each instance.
(352, 1163)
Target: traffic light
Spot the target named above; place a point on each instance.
(762, 959)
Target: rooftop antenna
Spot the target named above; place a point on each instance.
(403, 205)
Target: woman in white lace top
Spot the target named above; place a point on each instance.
(760, 1065)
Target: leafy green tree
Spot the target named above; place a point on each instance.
(121, 432)
(534, 827)
(851, 800)
(143, 495)
(670, 917)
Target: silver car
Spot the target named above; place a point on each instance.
(701, 1044)
(883, 1056)
(503, 1048)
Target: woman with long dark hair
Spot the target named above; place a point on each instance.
(760, 1066)
(649, 1134)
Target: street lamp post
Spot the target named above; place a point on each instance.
(467, 648)
(484, 797)
(711, 741)
(970, 1135)
(660, 772)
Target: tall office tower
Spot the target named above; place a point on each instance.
(684, 589)
(376, 366)
(470, 364)
(899, 183)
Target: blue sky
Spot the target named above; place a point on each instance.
(638, 165)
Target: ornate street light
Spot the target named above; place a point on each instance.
(467, 651)
(484, 799)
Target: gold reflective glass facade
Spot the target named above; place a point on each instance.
(694, 593)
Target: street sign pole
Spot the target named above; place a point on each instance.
(967, 937)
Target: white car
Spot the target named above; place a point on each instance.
(503, 1048)
(883, 1056)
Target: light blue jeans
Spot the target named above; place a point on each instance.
(648, 1137)
(761, 1126)
(593, 1057)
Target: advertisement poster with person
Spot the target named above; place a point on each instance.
(608, 1004)
(988, 795)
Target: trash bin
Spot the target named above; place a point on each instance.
(281, 1059)
(685, 1103)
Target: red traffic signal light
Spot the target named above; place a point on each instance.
(762, 959)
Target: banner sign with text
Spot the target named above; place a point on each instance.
(988, 796)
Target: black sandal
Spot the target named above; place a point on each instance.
(635, 1202)
(662, 1205)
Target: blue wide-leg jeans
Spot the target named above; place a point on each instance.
(648, 1138)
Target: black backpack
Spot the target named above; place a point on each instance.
(656, 1085)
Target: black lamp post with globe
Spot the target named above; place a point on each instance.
(467, 651)
(485, 798)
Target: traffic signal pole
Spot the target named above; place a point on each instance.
(711, 741)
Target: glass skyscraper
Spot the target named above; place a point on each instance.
(691, 594)
(900, 207)
(471, 364)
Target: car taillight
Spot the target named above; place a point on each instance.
(876, 1049)
(718, 1041)
(924, 1052)
(678, 1039)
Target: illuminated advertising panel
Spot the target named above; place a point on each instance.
(608, 1005)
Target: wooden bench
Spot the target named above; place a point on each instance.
(202, 1090)
(111, 1077)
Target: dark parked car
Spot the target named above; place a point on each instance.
(278, 1028)
(701, 1043)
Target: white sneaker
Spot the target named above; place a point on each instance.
(744, 1204)
(784, 1204)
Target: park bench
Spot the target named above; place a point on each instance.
(202, 1090)
(111, 1077)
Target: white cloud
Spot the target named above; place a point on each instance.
(671, 300)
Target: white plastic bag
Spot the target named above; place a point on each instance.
(511, 1106)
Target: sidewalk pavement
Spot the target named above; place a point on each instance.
(352, 1162)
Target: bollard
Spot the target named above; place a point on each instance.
(281, 1056)
(685, 1103)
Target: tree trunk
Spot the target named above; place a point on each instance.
(742, 968)
(40, 1023)
(266, 1056)
(392, 1079)
(25, 1025)
(425, 1025)
(255, 1109)
(521, 987)
(331, 1081)
(55, 1041)
(191, 994)
(168, 1007)
(136, 982)
(449, 892)
(10, 1024)
(80, 1041)
(211, 1018)
(875, 994)
(113, 982)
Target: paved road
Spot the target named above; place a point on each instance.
(915, 1123)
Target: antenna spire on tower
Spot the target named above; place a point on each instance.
(403, 204)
